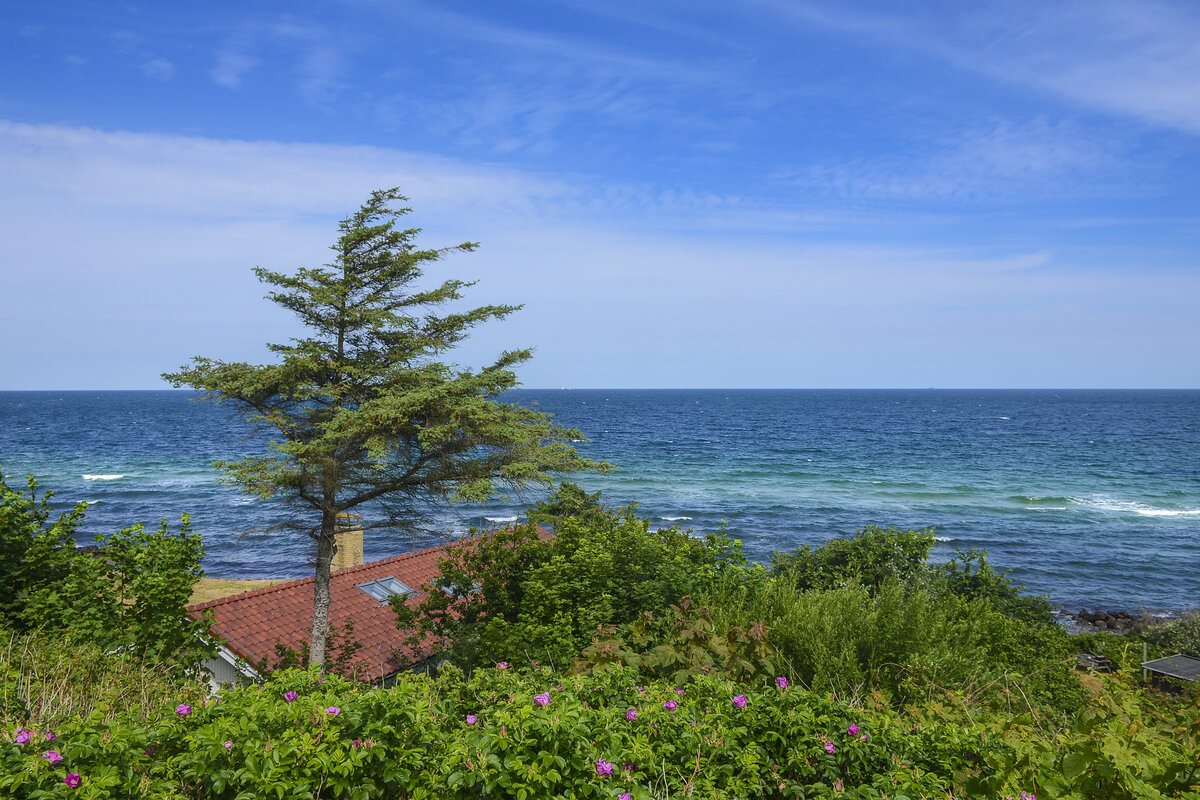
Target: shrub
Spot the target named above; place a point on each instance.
(127, 592)
(1180, 635)
(971, 577)
(505, 734)
(872, 556)
(510, 596)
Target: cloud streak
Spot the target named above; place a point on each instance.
(163, 230)
(1135, 59)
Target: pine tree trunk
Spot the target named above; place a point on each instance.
(321, 597)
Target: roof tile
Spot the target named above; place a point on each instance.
(251, 623)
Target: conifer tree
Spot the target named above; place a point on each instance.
(364, 415)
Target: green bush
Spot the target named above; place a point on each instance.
(872, 556)
(971, 577)
(505, 734)
(904, 641)
(510, 596)
(1180, 635)
(128, 592)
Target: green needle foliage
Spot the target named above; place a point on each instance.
(365, 414)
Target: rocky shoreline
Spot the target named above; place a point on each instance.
(1109, 621)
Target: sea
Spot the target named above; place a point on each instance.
(1091, 498)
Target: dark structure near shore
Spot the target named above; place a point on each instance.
(1176, 666)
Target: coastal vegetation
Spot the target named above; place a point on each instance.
(363, 412)
(124, 594)
(616, 660)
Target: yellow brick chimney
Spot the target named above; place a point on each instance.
(348, 542)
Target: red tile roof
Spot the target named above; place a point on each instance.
(249, 624)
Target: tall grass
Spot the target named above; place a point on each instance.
(46, 680)
(905, 641)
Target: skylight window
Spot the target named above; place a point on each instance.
(448, 588)
(384, 588)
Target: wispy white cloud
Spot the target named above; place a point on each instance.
(1135, 58)
(163, 230)
(232, 65)
(522, 88)
(159, 69)
(1000, 161)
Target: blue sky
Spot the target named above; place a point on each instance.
(682, 194)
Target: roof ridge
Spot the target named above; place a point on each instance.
(288, 585)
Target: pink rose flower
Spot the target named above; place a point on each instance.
(603, 767)
(781, 682)
(73, 780)
(52, 756)
(740, 701)
(670, 705)
(472, 719)
(333, 711)
(183, 709)
(542, 699)
(290, 696)
(22, 736)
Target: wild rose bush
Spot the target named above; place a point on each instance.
(506, 734)
(500, 734)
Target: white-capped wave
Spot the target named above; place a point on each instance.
(944, 539)
(1102, 502)
(91, 502)
(674, 519)
(102, 477)
(501, 519)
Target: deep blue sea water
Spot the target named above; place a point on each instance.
(1090, 497)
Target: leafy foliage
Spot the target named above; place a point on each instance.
(128, 592)
(367, 417)
(566, 502)
(506, 734)
(1177, 635)
(680, 644)
(36, 554)
(513, 595)
(971, 577)
(873, 556)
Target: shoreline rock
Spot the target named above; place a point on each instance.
(1116, 621)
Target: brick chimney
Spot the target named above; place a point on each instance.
(348, 542)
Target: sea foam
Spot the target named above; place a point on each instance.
(102, 477)
(1106, 503)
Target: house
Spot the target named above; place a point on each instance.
(248, 626)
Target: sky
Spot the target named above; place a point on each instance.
(682, 194)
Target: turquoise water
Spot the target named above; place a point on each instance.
(1090, 497)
